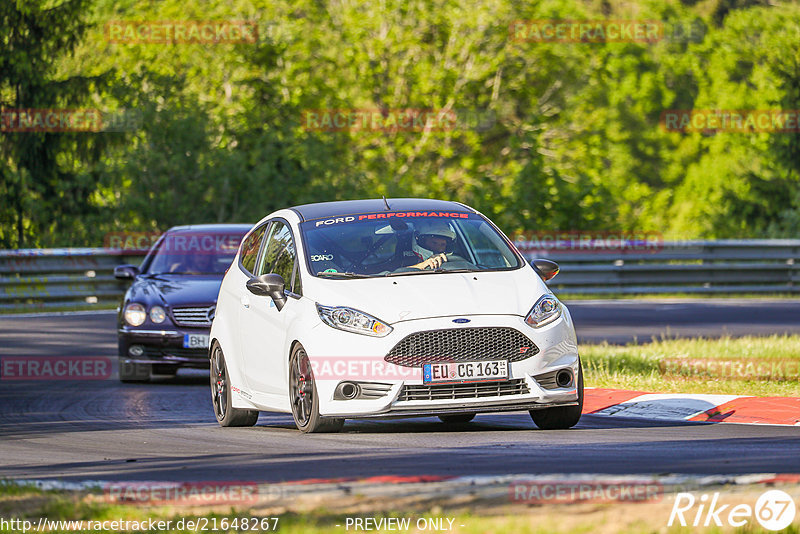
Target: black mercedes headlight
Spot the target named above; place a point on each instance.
(134, 314)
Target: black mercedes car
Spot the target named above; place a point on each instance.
(165, 316)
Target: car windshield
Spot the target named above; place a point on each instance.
(194, 253)
(399, 243)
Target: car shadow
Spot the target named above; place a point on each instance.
(490, 422)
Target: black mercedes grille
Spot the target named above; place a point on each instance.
(501, 388)
(462, 345)
(196, 316)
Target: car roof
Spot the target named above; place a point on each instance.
(323, 210)
(211, 228)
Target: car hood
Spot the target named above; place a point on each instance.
(176, 290)
(403, 298)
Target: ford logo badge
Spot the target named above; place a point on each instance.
(461, 321)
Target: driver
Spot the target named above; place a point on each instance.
(434, 238)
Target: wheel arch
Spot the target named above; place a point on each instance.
(292, 346)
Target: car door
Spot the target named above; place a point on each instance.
(264, 327)
(233, 291)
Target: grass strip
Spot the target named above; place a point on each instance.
(761, 366)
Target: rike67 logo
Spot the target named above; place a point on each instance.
(774, 510)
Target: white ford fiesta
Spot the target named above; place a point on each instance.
(385, 308)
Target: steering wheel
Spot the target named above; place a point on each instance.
(453, 262)
(457, 262)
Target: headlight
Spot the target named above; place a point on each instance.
(352, 320)
(157, 314)
(134, 314)
(546, 310)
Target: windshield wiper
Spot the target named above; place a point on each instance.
(412, 271)
(431, 271)
(346, 274)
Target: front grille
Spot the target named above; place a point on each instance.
(500, 388)
(462, 345)
(194, 316)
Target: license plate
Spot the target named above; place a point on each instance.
(195, 341)
(439, 373)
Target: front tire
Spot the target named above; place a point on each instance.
(561, 417)
(303, 396)
(224, 411)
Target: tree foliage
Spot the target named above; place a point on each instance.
(565, 136)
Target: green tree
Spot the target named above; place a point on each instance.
(43, 175)
(744, 184)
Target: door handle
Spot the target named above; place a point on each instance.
(245, 301)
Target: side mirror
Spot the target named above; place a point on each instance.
(269, 285)
(545, 268)
(126, 272)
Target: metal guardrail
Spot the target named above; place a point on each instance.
(722, 266)
(43, 279)
(36, 279)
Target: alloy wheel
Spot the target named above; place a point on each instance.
(301, 382)
(219, 384)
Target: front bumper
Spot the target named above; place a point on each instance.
(162, 346)
(537, 399)
(529, 385)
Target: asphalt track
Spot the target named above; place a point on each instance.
(165, 431)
